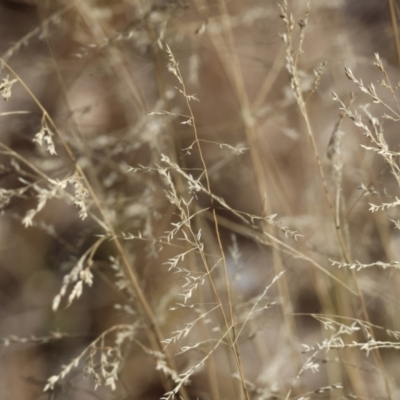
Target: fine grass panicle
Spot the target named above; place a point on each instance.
(199, 200)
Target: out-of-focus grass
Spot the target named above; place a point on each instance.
(204, 229)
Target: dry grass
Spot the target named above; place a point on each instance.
(199, 200)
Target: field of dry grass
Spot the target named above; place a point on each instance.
(199, 199)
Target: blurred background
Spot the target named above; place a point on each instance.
(99, 68)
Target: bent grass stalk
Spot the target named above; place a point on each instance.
(152, 324)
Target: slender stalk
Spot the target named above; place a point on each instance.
(110, 231)
(293, 59)
(395, 29)
(232, 326)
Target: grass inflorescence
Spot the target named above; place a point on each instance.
(199, 200)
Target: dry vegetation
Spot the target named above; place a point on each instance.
(199, 200)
